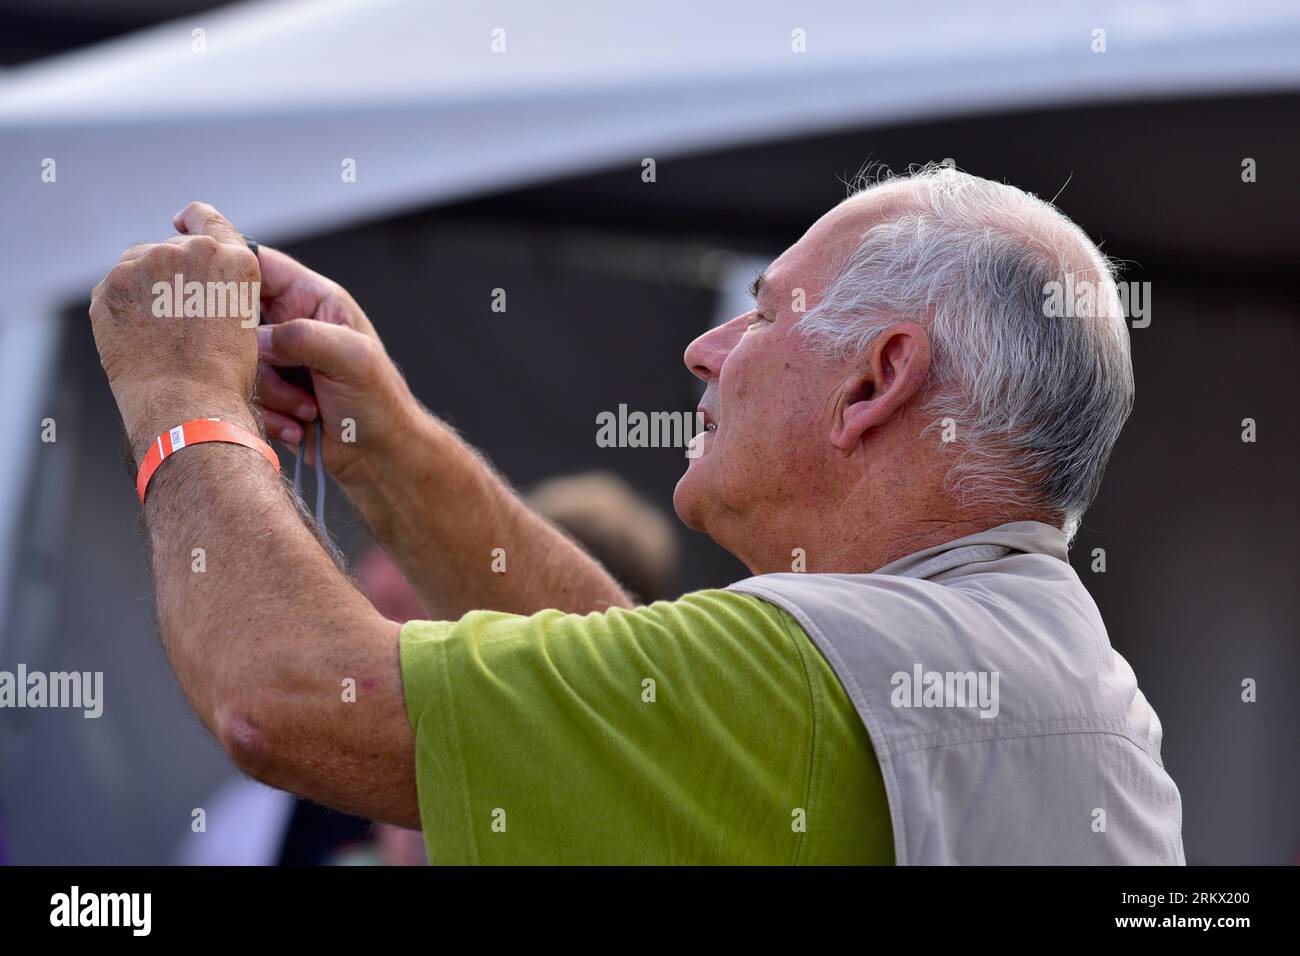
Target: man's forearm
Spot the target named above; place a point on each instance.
(264, 632)
(463, 539)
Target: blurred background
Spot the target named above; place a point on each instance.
(503, 145)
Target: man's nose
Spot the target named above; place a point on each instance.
(704, 356)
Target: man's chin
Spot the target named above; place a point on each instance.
(688, 499)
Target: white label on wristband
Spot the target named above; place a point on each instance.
(177, 436)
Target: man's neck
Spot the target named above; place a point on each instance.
(859, 547)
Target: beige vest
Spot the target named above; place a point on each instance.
(1007, 728)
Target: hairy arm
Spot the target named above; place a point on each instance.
(265, 638)
(263, 631)
(449, 521)
(464, 539)
(283, 660)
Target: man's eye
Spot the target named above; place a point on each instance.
(758, 320)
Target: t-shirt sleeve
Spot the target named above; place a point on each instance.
(693, 731)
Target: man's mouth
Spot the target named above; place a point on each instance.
(709, 427)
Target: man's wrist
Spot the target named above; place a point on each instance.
(153, 410)
(399, 454)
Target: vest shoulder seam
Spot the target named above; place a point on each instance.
(785, 620)
(1051, 727)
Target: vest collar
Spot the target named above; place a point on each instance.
(1029, 537)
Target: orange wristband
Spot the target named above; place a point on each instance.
(192, 433)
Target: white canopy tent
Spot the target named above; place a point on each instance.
(260, 121)
(438, 101)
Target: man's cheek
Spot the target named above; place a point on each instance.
(740, 386)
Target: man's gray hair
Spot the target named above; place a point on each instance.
(1037, 399)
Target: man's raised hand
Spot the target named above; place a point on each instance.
(174, 326)
(359, 393)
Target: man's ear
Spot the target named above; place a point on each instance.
(887, 376)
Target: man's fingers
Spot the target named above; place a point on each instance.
(289, 433)
(275, 393)
(290, 290)
(334, 350)
(200, 219)
(279, 271)
(281, 427)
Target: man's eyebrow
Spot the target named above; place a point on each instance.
(755, 286)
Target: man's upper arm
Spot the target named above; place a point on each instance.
(679, 732)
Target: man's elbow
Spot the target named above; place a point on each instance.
(257, 719)
(248, 741)
(264, 735)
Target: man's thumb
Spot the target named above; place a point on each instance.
(333, 350)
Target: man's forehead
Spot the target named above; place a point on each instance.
(815, 260)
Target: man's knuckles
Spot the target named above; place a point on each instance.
(292, 340)
(204, 252)
(200, 258)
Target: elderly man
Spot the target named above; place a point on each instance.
(901, 438)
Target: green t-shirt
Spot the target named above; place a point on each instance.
(704, 730)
